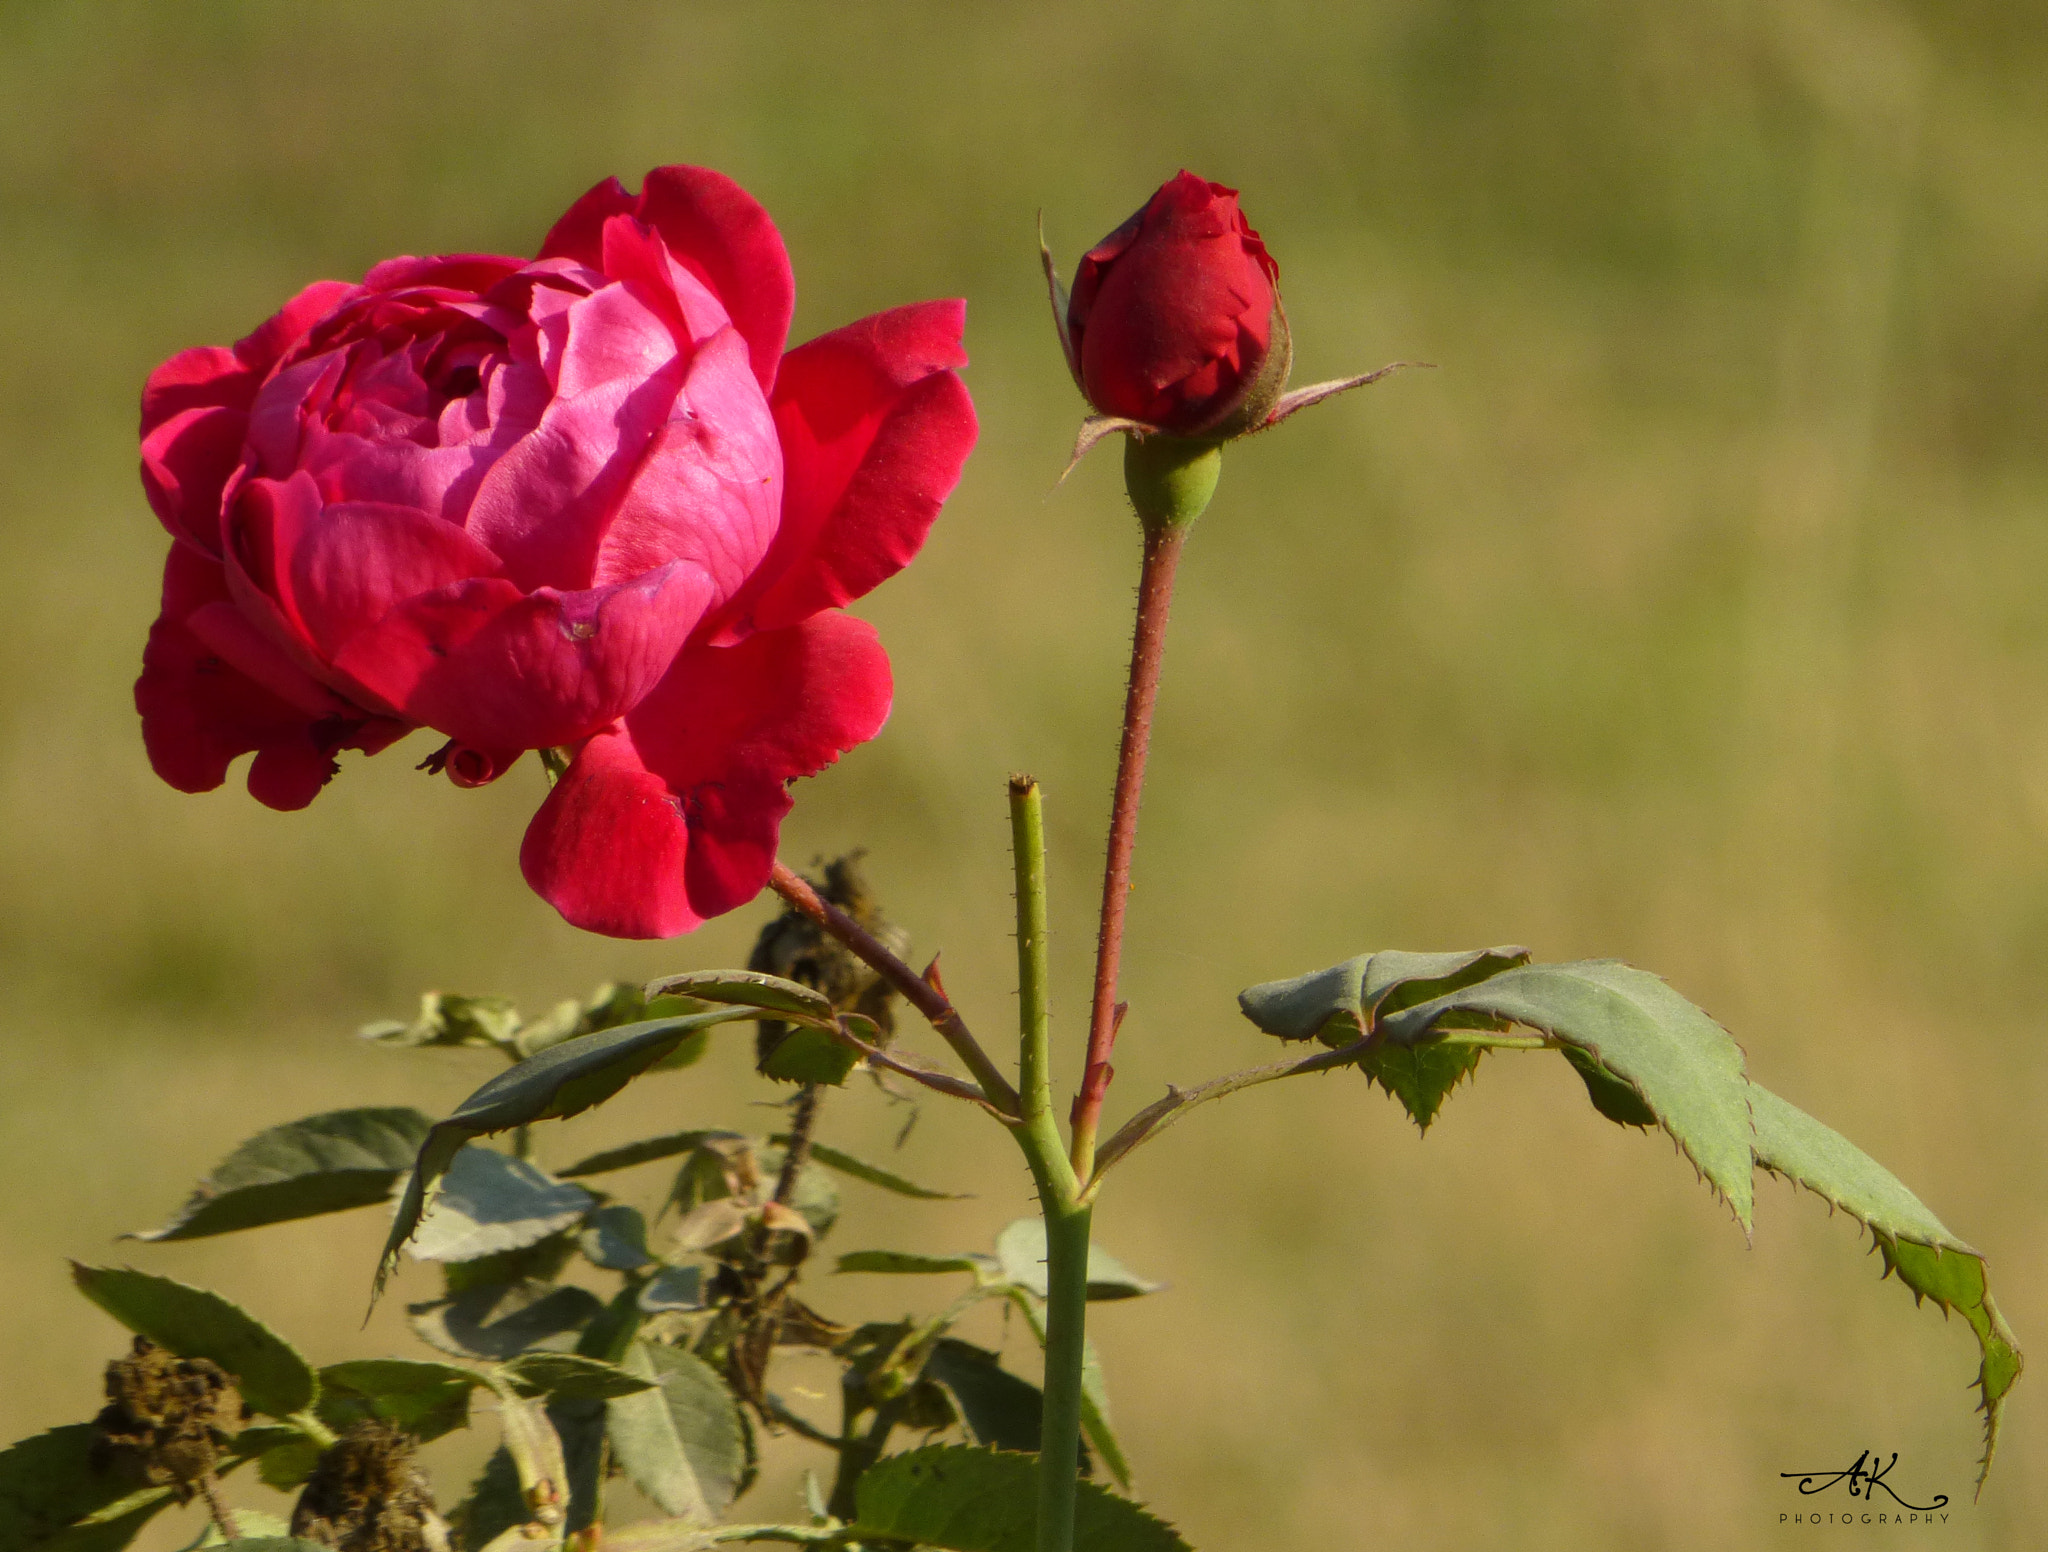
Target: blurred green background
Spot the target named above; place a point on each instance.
(1690, 612)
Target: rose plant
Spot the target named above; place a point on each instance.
(584, 505)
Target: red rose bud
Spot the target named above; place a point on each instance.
(1175, 320)
(1175, 329)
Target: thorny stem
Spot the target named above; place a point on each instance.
(217, 1507)
(919, 992)
(1148, 648)
(1066, 1220)
(803, 1119)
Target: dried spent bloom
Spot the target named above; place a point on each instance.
(367, 1495)
(165, 1417)
(797, 949)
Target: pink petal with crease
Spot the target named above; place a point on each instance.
(500, 669)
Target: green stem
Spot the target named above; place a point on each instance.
(1066, 1339)
(1162, 1113)
(1066, 1221)
(1034, 1058)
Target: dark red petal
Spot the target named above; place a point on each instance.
(206, 377)
(579, 235)
(276, 335)
(288, 775)
(499, 669)
(733, 834)
(729, 727)
(186, 462)
(671, 819)
(607, 848)
(474, 273)
(199, 713)
(718, 231)
(875, 429)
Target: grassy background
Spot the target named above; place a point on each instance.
(1691, 613)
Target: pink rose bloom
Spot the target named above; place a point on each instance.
(583, 502)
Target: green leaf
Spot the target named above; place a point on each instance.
(194, 1323)
(502, 1320)
(683, 1443)
(612, 1004)
(643, 1152)
(427, 1400)
(615, 1238)
(559, 1082)
(490, 1202)
(1020, 1250)
(286, 1466)
(255, 1527)
(1612, 1096)
(495, 1503)
(570, 1376)
(1095, 1425)
(978, 1266)
(673, 1288)
(1680, 1062)
(975, 1500)
(579, 1422)
(1930, 1260)
(1001, 1410)
(447, 1019)
(48, 1483)
(1420, 1076)
(1339, 1004)
(810, 1056)
(112, 1530)
(749, 989)
(816, 1198)
(323, 1164)
(874, 1175)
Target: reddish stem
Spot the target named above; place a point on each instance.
(1148, 649)
(921, 993)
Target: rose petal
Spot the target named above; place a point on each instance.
(187, 460)
(607, 848)
(468, 273)
(265, 522)
(875, 429)
(709, 484)
(199, 711)
(729, 727)
(672, 818)
(543, 506)
(721, 233)
(612, 335)
(274, 338)
(359, 558)
(207, 377)
(579, 235)
(499, 669)
(636, 257)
